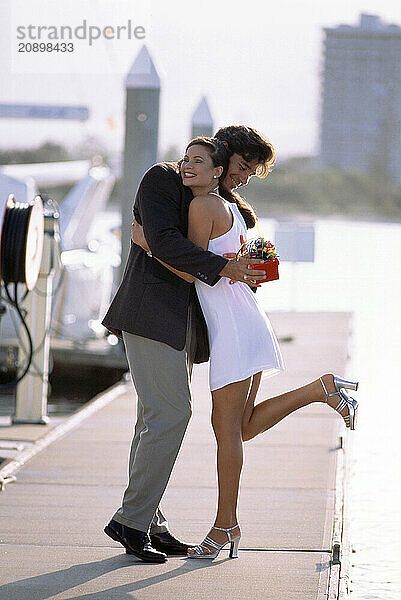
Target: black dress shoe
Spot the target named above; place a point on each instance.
(134, 541)
(167, 543)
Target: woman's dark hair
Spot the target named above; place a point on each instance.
(220, 157)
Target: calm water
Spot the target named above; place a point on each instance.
(358, 268)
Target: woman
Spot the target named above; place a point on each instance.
(242, 342)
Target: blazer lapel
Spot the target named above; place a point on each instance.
(186, 198)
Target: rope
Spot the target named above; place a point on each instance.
(15, 302)
(17, 266)
(21, 253)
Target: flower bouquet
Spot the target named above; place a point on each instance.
(262, 249)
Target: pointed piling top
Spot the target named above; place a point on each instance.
(202, 115)
(143, 73)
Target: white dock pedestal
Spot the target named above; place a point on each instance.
(32, 390)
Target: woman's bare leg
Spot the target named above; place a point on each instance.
(235, 418)
(264, 415)
(250, 402)
(227, 414)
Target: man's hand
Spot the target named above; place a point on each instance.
(239, 270)
(137, 236)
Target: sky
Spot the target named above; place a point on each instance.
(257, 63)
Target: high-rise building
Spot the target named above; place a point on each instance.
(361, 97)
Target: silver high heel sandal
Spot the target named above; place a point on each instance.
(345, 399)
(202, 551)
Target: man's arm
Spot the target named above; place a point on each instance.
(138, 237)
(159, 206)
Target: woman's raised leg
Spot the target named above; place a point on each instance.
(264, 415)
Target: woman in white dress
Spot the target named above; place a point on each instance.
(242, 341)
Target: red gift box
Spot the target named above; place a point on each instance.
(271, 269)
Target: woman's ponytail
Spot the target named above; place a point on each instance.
(244, 207)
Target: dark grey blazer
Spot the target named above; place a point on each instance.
(152, 301)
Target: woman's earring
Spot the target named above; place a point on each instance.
(214, 176)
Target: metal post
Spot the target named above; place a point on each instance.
(202, 120)
(141, 136)
(31, 392)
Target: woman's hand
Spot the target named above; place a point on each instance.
(137, 236)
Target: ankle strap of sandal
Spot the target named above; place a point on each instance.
(326, 392)
(226, 530)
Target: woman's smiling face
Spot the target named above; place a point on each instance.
(197, 167)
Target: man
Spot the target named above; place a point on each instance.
(164, 333)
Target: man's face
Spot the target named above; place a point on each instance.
(239, 171)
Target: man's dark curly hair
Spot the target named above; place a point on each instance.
(220, 157)
(249, 144)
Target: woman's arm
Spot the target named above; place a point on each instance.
(138, 236)
(186, 276)
(200, 223)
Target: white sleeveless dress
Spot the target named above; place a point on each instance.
(242, 340)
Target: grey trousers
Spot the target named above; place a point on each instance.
(161, 376)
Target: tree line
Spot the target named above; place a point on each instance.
(295, 187)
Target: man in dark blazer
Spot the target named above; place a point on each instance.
(157, 315)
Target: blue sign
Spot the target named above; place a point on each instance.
(295, 242)
(43, 111)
